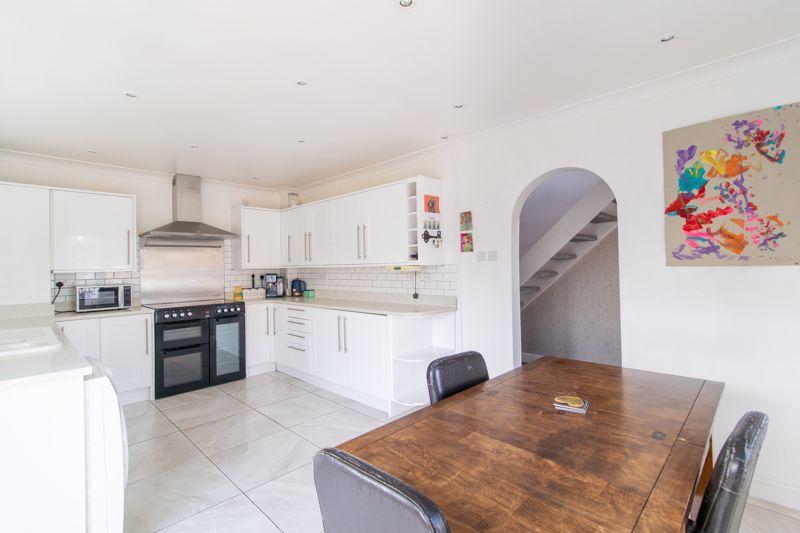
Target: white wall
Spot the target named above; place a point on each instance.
(732, 324)
(153, 190)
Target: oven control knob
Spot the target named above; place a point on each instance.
(174, 315)
(166, 315)
(238, 309)
(219, 310)
(225, 310)
(183, 314)
(189, 313)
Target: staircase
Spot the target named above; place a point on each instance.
(573, 236)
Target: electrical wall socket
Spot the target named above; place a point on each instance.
(481, 256)
(492, 256)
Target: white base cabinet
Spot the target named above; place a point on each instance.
(260, 325)
(122, 344)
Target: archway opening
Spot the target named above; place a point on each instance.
(567, 273)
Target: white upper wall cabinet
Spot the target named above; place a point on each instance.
(92, 231)
(25, 241)
(383, 234)
(292, 245)
(320, 238)
(259, 230)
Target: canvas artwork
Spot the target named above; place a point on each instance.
(467, 244)
(465, 220)
(431, 203)
(732, 190)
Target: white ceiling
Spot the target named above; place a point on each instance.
(382, 80)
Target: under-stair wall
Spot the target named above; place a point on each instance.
(578, 316)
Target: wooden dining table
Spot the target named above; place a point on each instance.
(500, 457)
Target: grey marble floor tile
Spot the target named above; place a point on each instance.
(155, 456)
(267, 393)
(167, 498)
(760, 520)
(237, 515)
(335, 428)
(299, 409)
(188, 398)
(250, 382)
(144, 421)
(196, 413)
(296, 382)
(264, 459)
(291, 501)
(219, 435)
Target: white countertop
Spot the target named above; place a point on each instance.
(397, 309)
(74, 315)
(64, 362)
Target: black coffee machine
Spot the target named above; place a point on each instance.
(274, 285)
(298, 287)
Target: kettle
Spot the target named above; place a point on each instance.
(298, 287)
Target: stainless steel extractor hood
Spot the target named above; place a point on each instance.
(186, 210)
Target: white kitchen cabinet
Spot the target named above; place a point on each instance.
(92, 231)
(292, 242)
(366, 347)
(84, 335)
(25, 241)
(256, 334)
(347, 214)
(330, 350)
(258, 244)
(320, 236)
(280, 339)
(384, 232)
(125, 348)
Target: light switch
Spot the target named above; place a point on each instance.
(492, 256)
(481, 257)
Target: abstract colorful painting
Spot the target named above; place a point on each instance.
(732, 190)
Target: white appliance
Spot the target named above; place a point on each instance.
(106, 453)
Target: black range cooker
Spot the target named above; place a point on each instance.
(198, 344)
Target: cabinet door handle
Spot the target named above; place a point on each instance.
(129, 247)
(293, 322)
(309, 247)
(296, 309)
(267, 322)
(146, 336)
(345, 335)
(296, 348)
(274, 322)
(364, 239)
(296, 335)
(358, 240)
(289, 248)
(339, 332)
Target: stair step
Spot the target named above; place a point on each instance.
(525, 289)
(544, 274)
(603, 217)
(583, 237)
(564, 256)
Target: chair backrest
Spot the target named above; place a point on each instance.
(356, 497)
(726, 495)
(454, 373)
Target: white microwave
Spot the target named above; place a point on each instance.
(103, 298)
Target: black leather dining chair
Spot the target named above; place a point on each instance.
(726, 495)
(356, 497)
(452, 374)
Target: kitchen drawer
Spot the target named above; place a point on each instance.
(293, 311)
(299, 338)
(301, 325)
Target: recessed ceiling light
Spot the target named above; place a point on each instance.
(302, 83)
(255, 177)
(406, 3)
(301, 141)
(193, 146)
(131, 95)
(445, 137)
(458, 106)
(667, 38)
(91, 151)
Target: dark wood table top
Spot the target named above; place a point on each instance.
(499, 457)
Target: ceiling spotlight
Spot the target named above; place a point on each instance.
(458, 106)
(131, 95)
(406, 3)
(667, 38)
(91, 151)
(194, 146)
(255, 178)
(302, 83)
(445, 137)
(301, 141)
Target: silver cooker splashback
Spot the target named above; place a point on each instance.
(181, 271)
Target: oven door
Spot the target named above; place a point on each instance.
(181, 334)
(227, 349)
(181, 370)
